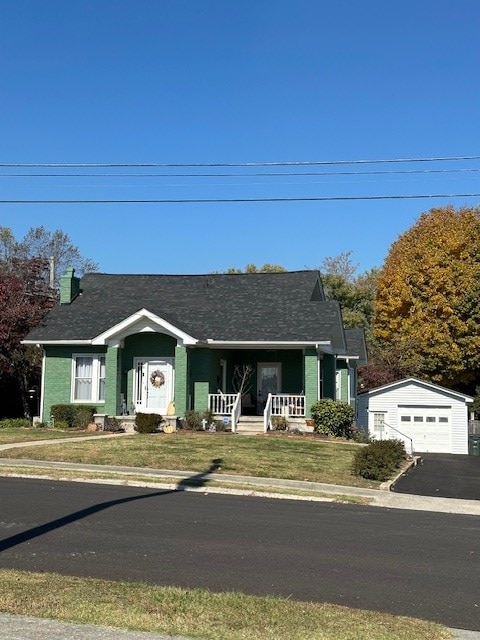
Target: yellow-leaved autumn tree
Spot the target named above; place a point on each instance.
(427, 303)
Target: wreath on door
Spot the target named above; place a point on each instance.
(157, 379)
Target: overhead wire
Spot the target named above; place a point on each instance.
(239, 200)
(291, 163)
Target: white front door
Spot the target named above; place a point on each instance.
(153, 385)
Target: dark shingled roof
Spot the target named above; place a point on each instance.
(286, 306)
(356, 345)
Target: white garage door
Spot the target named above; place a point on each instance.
(428, 427)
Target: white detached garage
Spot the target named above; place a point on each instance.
(427, 417)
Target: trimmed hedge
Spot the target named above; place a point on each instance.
(379, 459)
(147, 422)
(77, 416)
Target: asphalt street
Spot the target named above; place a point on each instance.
(409, 563)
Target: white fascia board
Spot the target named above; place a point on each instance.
(277, 344)
(143, 321)
(343, 357)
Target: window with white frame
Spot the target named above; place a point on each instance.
(88, 378)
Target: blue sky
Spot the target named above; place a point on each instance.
(217, 81)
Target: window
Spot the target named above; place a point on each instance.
(405, 418)
(88, 378)
(379, 422)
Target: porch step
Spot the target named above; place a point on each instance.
(250, 424)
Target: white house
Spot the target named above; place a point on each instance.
(427, 417)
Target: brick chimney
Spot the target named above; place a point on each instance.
(69, 286)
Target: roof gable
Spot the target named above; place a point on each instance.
(420, 383)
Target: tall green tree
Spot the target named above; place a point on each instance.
(428, 292)
(252, 268)
(355, 292)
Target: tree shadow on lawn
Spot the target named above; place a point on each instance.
(196, 480)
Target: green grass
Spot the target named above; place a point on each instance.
(8, 436)
(269, 456)
(197, 613)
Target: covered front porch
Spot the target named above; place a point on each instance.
(228, 406)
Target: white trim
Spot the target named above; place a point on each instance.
(268, 344)
(42, 384)
(144, 363)
(143, 321)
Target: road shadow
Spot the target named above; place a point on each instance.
(196, 480)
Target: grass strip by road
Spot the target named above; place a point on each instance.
(158, 482)
(267, 456)
(198, 613)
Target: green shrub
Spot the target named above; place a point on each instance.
(192, 421)
(62, 425)
(15, 423)
(279, 423)
(147, 422)
(379, 459)
(62, 413)
(77, 416)
(333, 418)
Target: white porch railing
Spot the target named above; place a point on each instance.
(289, 406)
(267, 413)
(226, 404)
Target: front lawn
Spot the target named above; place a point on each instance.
(19, 434)
(274, 456)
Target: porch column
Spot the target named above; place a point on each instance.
(181, 380)
(113, 368)
(311, 379)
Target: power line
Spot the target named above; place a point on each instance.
(235, 164)
(240, 200)
(235, 175)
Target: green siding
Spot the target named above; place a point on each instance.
(58, 376)
(311, 379)
(181, 381)
(113, 372)
(200, 371)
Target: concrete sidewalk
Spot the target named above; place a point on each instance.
(169, 479)
(28, 628)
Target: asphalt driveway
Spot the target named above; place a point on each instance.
(444, 475)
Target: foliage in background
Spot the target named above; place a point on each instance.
(427, 308)
(379, 459)
(252, 268)
(26, 297)
(355, 293)
(333, 418)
